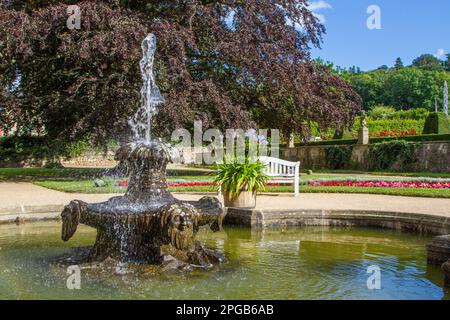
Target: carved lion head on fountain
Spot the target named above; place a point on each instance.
(178, 225)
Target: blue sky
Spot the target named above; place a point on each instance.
(408, 29)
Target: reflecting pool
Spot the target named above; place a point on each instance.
(299, 263)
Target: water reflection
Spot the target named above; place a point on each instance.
(305, 263)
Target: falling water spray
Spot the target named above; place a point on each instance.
(151, 97)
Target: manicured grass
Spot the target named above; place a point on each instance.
(75, 173)
(87, 187)
(80, 180)
(406, 192)
(414, 174)
(44, 173)
(389, 174)
(84, 186)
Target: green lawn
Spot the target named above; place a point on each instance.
(44, 173)
(87, 187)
(406, 192)
(75, 173)
(80, 180)
(387, 174)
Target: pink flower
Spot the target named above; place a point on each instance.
(383, 184)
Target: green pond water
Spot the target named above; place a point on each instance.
(301, 263)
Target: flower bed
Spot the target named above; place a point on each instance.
(384, 184)
(124, 183)
(394, 133)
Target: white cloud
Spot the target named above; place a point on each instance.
(440, 53)
(319, 5)
(313, 6)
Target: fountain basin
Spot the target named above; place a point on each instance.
(296, 263)
(147, 225)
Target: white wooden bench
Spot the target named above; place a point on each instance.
(282, 171)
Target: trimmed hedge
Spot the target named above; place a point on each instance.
(436, 123)
(35, 150)
(328, 143)
(418, 138)
(30, 146)
(344, 135)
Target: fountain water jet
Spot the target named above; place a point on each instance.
(147, 224)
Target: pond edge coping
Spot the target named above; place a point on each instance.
(404, 221)
(260, 219)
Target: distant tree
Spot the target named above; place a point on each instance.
(383, 67)
(398, 63)
(370, 86)
(354, 70)
(403, 88)
(447, 63)
(428, 62)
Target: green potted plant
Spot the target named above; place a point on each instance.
(239, 182)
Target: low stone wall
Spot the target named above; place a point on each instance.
(260, 219)
(431, 157)
(21, 214)
(92, 159)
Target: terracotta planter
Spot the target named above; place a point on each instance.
(245, 199)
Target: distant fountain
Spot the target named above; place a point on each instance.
(147, 224)
(446, 98)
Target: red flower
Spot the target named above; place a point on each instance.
(394, 133)
(383, 184)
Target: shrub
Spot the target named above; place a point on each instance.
(389, 113)
(383, 156)
(21, 148)
(436, 123)
(419, 138)
(338, 157)
(413, 114)
(381, 112)
(373, 140)
(75, 149)
(331, 143)
(345, 135)
(35, 150)
(236, 176)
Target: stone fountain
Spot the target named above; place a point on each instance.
(147, 225)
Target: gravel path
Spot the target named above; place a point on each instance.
(21, 196)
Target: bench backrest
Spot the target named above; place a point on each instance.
(280, 168)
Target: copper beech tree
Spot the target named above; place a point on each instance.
(229, 63)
